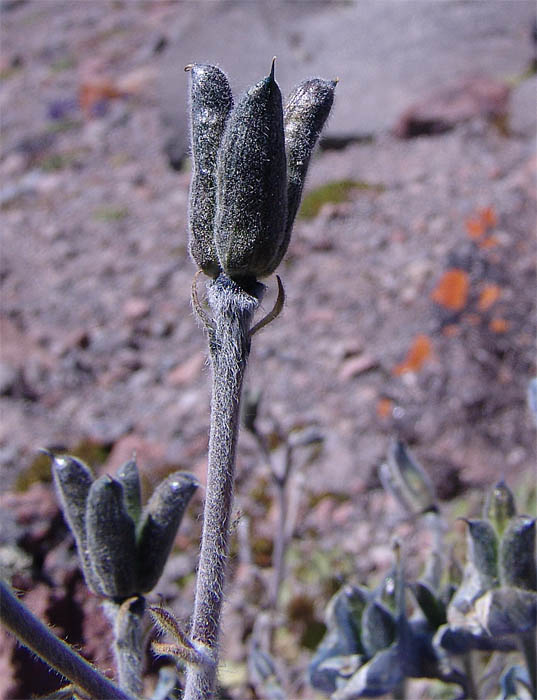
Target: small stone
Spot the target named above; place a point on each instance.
(136, 308)
(355, 366)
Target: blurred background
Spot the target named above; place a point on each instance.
(410, 279)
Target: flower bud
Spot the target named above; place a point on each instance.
(160, 519)
(500, 506)
(251, 184)
(129, 479)
(210, 103)
(111, 542)
(73, 479)
(407, 481)
(305, 113)
(483, 551)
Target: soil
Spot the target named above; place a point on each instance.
(410, 305)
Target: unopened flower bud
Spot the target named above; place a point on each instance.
(111, 541)
(305, 113)
(210, 103)
(483, 551)
(129, 479)
(73, 480)
(158, 527)
(251, 184)
(500, 506)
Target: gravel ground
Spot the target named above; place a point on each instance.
(98, 340)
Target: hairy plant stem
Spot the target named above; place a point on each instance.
(229, 343)
(128, 642)
(468, 665)
(528, 646)
(37, 637)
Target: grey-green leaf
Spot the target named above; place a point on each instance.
(378, 628)
(158, 526)
(111, 538)
(517, 554)
(210, 104)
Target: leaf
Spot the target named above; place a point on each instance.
(419, 352)
(452, 290)
(377, 677)
(507, 611)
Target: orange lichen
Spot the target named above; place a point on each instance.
(419, 352)
(489, 295)
(384, 408)
(452, 290)
(499, 325)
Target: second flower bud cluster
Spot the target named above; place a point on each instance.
(122, 546)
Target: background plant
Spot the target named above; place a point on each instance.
(431, 628)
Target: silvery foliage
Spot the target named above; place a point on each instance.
(377, 638)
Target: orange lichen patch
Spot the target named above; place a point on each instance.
(489, 295)
(451, 330)
(384, 408)
(475, 228)
(499, 325)
(94, 90)
(419, 352)
(452, 290)
(488, 217)
(489, 242)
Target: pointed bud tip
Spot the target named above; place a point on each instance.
(271, 75)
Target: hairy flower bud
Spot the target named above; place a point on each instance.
(500, 506)
(158, 527)
(248, 170)
(251, 184)
(73, 480)
(129, 479)
(111, 541)
(305, 113)
(210, 103)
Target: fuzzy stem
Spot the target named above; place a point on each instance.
(471, 687)
(229, 342)
(128, 642)
(32, 633)
(528, 645)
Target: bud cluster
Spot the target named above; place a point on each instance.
(249, 166)
(122, 546)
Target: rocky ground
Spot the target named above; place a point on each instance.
(410, 286)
